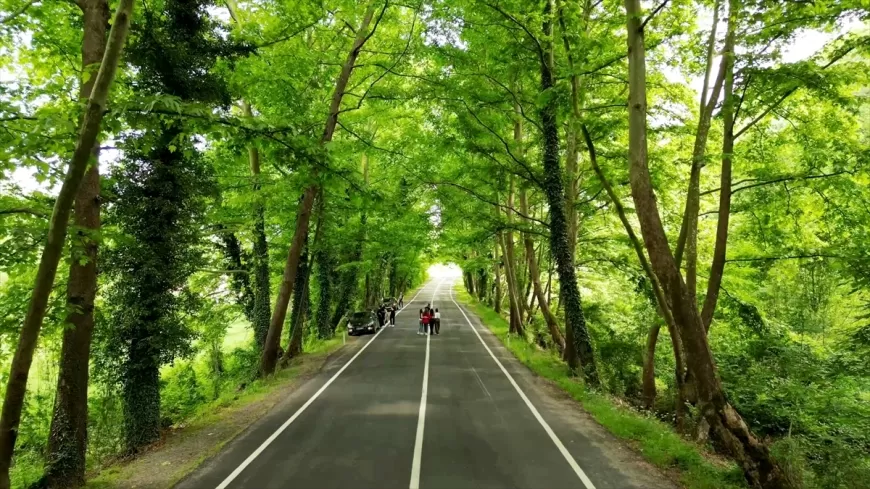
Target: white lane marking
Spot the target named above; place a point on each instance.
(421, 418)
(480, 381)
(226, 482)
(565, 453)
(421, 422)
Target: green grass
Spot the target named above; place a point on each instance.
(655, 440)
(239, 334)
(217, 411)
(260, 388)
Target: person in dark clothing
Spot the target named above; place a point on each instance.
(431, 321)
(381, 316)
(427, 320)
(392, 317)
(402, 300)
(422, 328)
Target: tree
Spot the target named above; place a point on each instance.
(279, 313)
(758, 465)
(554, 190)
(262, 288)
(88, 134)
(162, 189)
(68, 440)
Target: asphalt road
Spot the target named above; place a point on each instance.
(453, 411)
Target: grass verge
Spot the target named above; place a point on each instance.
(213, 425)
(689, 464)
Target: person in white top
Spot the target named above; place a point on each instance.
(437, 322)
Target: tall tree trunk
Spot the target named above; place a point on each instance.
(269, 357)
(262, 283)
(754, 456)
(300, 308)
(571, 189)
(515, 322)
(496, 303)
(717, 268)
(240, 283)
(141, 390)
(262, 286)
(482, 286)
(519, 302)
(528, 293)
(347, 289)
(688, 239)
(511, 264)
(552, 324)
(558, 223)
(67, 441)
(661, 301)
(45, 275)
(325, 281)
(649, 367)
(276, 326)
(573, 146)
(522, 276)
(549, 284)
(323, 261)
(393, 280)
(367, 301)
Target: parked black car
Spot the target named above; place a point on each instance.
(362, 322)
(389, 302)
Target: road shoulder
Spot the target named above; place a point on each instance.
(185, 449)
(644, 450)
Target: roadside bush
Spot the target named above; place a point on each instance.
(181, 394)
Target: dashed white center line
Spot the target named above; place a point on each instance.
(421, 418)
(230, 478)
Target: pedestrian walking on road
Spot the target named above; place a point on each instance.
(431, 321)
(381, 316)
(392, 317)
(422, 328)
(427, 320)
(402, 299)
(437, 322)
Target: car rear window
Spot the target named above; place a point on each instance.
(360, 315)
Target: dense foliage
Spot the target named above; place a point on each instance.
(267, 167)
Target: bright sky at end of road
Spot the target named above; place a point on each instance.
(444, 271)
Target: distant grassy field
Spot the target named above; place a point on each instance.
(239, 333)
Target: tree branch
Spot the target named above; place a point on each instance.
(786, 257)
(653, 14)
(25, 210)
(522, 26)
(23, 8)
(505, 144)
(387, 70)
(375, 27)
(787, 178)
(837, 57)
(288, 36)
(485, 200)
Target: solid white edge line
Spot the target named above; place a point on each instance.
(421, 418)
(421, 423)
(230, 478)
(565, 453)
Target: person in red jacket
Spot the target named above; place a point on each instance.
(427, 319)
